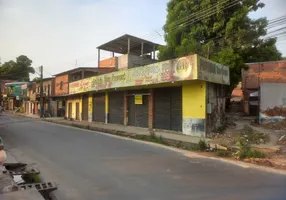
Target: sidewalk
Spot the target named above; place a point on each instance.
(170, 137)
(117, 129)
(7, 183)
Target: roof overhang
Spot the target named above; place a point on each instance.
(120, 45)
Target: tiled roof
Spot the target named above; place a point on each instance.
(237, 92)
(271, 72)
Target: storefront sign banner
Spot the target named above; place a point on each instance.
(212, 72)
(161, 72)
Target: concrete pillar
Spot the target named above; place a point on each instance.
(98, 58)
(128, 45)
(142, 48)
(82, 74)
(125, 109)
(194, 108)
(151, 110)
(154, 50)
(106, 108)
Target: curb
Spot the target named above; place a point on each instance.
(165, 141)
(171, 143)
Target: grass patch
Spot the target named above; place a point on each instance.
(253, 136)
(151, 138)
(246, 151)
(223, 153)
(201, 146)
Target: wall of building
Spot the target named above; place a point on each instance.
(123, 62)
(73, 101)
(136, 61)
(272, 102)
(64, 90)
(46, 85)
(264, 72)
(215, 106)
(109, 62)
(194, 108)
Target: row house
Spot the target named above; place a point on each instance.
(185, 95)
(16, 94)
(63, 79)
(4, 91)
(32, 105)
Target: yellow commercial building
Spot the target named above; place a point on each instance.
(185, 95)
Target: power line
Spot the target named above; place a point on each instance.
(194, 19)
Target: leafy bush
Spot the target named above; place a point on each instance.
(202, 145)
(253, 136)
(246, 150)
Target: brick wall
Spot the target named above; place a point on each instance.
(109, 62)
(63, 81)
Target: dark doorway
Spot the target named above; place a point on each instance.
(99, 107)
(168, 108)
(116, 107)
(85, 107)
(77, 111)
(138, 113)
(70, 111)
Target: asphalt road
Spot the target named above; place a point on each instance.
(93, 166)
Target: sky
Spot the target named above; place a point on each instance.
(60, 33)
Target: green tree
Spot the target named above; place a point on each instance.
(36, 79)
(17, 70)
(220, 30)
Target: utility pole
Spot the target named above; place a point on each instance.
(41, 92)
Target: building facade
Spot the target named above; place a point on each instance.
(184, 95)
(62, 81)
(16, 95)
(272, 102)
(257, 74)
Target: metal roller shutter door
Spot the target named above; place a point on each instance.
(116, 107)
(168, 108)
(138, 114)
(162, 114)
(99, 108)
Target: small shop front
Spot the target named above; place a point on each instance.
(74, 108)
(169, 95)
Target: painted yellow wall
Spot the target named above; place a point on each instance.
(106, 103)
(74, 101)
(194, 99)
(90, 107)
(194, 108)
(106, 107)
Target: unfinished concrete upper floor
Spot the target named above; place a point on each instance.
(133, 52)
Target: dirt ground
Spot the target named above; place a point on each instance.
(268, 138)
